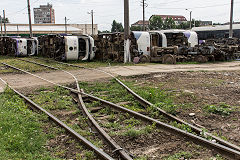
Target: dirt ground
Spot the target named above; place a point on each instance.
(27, 81)
(194, 85)
(196, 90)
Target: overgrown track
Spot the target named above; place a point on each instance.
(93, 122)
(222, 149)
(98, 151)
(146, 104)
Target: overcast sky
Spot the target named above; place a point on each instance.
(105, 11)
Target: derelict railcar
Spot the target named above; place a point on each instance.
(68, 47)
(19, 47)
(25, 47)
(216, 32)
(163, 46)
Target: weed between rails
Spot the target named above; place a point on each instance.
(221, 109)
(114, 92)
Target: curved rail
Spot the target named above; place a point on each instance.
(146, 103)
(97, 150)
(81, 103)
(224, 150)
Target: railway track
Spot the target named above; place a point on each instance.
(145, 103)
(220, 148)
(116, 148)
(80, 138)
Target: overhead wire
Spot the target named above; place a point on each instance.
(14, 13)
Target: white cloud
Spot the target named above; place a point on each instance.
(108, 10)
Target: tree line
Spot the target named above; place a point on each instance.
(6, 20)
(155, 23)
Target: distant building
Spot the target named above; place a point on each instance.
(44, 14)
(140, 24)
(43, 29)
(205, 23)
(176, 18)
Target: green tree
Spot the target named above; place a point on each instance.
(117, 27)
(169, 24)
(6, 20)
(155, 23)
(186, 25)
(136, 28)
(106, 31)
(197, 23)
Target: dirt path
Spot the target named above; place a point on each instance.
(148, 69)
(27, 81)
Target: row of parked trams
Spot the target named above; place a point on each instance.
(167, 46)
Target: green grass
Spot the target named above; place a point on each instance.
(57, 98)
(19, 64)
(182, 127)
(134, 133)
(221, 109)
(53, 99)
(180, 155)
(36, 68)
(20, 131)
(114, 92)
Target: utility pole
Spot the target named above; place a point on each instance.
(127, 57)
(30, 20)
(92, 22)
(126, 20)
(190, 18)
(17, 30)
(144, 5)
(4, 21)
(65, 25)
(143, 15)
(1, 26)
(91, 13)
(231, 21)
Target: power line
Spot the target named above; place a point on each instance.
(92, 20)
(144, 5)
(210, 6)
(22, 9)
(29, 17)
(231, 21)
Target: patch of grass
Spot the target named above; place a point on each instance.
(220, 136)
(112, 125)
(142, 158)
(168, 107)
(134, 133)
(114, 92)
(56, 99)
(20, 130)
(36, 68)
(180, 155)
(153, 95)
(20, 64)
(221, 109)
(132, 121)
(86, 155)
(217, 157)
(182, 127)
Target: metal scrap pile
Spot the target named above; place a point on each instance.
(51, 46)
(110, 47)
(7, 46)
(224, 49)
(176, 39)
